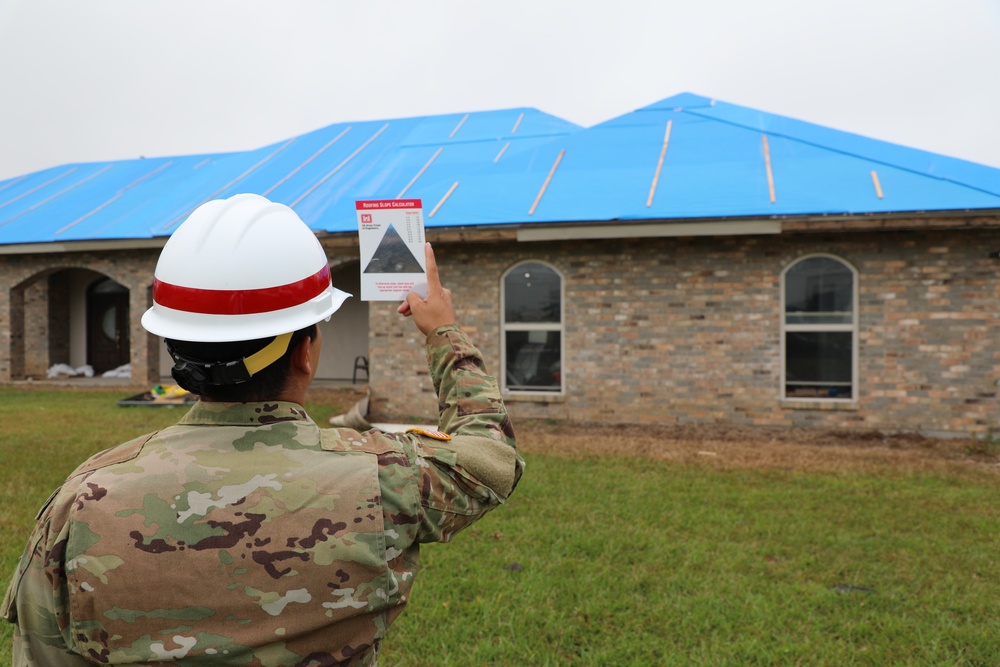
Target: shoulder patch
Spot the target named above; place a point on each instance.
(349, 440)
(434, 435)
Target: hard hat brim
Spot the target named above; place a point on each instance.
(205, 328)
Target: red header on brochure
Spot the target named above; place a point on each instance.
(378, 204)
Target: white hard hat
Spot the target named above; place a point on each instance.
(240, 269)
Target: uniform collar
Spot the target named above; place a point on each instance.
(244, 414)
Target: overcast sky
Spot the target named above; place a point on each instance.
(85, 80)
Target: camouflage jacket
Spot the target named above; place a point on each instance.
(247, 535)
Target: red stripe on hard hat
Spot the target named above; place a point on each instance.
(240, 302)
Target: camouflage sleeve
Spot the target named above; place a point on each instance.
(36, 599)
(478, 467)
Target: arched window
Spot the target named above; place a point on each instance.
(532, 328)
(820, 325)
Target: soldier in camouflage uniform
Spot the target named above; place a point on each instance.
(247, 535)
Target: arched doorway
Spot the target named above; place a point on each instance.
(107, 325)
(345, 336)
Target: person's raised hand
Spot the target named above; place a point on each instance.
(435, 310)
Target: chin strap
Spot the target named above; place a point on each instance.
(231, 372)
(271, 352)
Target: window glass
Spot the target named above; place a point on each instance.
(534, 360)
(109, 323)
(820, 329)
(818, 363)
(532, 294)
(819, 290)
(107, 286)
(532, 329)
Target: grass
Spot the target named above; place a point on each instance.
(672, 551)
(623, 562)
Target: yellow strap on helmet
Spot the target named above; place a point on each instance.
(271, 352)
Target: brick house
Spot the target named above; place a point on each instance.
(699, 330)
(690, 262)
(79, 243)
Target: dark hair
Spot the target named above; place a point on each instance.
(267, 384)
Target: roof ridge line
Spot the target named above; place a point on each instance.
(784, 135)
(503, 137)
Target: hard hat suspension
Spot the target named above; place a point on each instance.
(237, 371)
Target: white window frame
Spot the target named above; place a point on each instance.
(541, 326)
(851, 327)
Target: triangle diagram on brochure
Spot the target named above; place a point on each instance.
(393, 255)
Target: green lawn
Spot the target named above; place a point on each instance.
(625, 561)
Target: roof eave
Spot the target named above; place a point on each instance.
(50, 247)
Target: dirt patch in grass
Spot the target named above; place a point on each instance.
(763, 448)
(757, 447)
(723, 446)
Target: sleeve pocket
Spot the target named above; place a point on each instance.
(8, 610)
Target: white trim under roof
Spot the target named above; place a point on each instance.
(570, 232)
(82, 246)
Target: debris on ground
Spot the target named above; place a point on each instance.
(165, 395)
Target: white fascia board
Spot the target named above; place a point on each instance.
(82, 246)
(572, 232)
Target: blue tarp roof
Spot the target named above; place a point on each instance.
(684, 157)
(319, 174)
(716, 163)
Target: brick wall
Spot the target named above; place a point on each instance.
(59, 318)
(33, 296)
(656, 330)
(688, 330)
(36, 326)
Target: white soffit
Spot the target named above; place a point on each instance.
(82, 246)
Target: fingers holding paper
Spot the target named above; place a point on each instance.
(435, 309)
